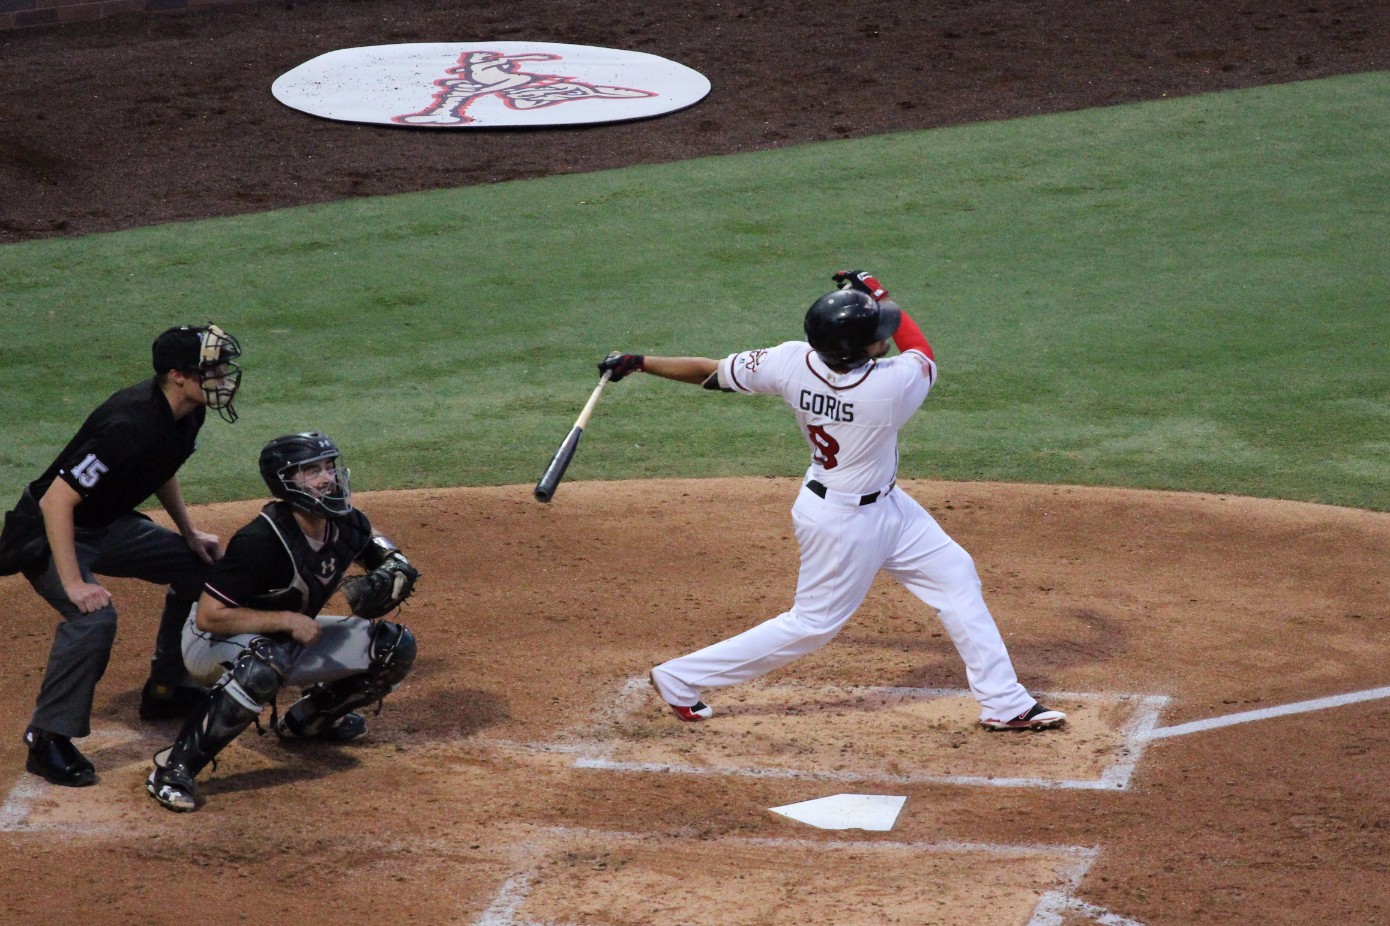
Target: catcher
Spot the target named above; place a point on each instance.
(257, 626)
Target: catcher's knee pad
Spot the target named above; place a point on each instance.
(393, 653)
(227, 711)
(258, 674)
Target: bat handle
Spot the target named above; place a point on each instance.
(583, 418)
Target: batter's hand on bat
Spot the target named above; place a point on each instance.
(862, 281)
(619, 365)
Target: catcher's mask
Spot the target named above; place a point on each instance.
(206, 352)
(282, 461)
(841, 326)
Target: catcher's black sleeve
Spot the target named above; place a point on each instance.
(255, 564)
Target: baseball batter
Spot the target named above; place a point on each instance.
(851, 520)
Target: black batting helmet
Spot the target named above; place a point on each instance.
(282, 458)
(841, 325)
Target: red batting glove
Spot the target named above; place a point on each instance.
(862, 281)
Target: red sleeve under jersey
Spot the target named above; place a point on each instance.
(910, 337)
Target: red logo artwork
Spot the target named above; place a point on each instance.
(489, 73)
(755, 359)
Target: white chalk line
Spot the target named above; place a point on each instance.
(1021, 850)
(1054, 905)
(1283, 710)
(19, 803)
(596, 755)
(505, 907)
(1145, 717)
(609, 765)
(15, 811)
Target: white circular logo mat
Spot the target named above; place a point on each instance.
(457, 85)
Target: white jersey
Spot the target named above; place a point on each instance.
(850, 420)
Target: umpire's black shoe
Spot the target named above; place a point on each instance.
(162, 701)
(57, 760)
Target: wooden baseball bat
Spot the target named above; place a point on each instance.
(550, 479)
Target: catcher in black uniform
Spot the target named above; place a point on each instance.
(257, 626)
(77, 521)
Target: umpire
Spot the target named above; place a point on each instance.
(78, 520)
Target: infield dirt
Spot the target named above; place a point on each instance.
(525, 773)
(473, 799)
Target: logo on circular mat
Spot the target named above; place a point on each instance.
(489, 85)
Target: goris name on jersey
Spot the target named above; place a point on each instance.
(826, 406)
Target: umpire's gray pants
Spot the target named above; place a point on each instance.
(133, 547)
(343, 649)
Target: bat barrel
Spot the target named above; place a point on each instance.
(550, 479)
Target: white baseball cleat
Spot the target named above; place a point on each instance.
(1036, 717)
(694, 713)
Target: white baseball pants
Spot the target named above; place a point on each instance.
(344, 648)
(843, 546)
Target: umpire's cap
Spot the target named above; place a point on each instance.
(193, 349)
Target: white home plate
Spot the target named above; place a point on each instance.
(876, 812)
(488, 85)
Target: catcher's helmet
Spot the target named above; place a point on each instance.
(207, 352)
(281, 460)
(841, 325)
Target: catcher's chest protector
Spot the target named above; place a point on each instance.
(318, 570)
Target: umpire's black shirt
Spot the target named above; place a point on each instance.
(125, 450)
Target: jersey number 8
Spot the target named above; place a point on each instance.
(826, 446)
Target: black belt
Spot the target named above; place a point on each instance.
(869, 499)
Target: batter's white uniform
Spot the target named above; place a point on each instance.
(851, 522)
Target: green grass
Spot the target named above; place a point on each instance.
(1186, 294)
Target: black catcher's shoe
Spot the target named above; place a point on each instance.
(162, 701)
(173, 787)
(345, 729)
(57, 760)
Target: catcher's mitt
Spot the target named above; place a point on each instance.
(382, 590)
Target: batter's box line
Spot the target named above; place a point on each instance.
(14, 814)
(1269, 713)
(1135, 736)
(1055, 905)
(506, 905)
(19, 803)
